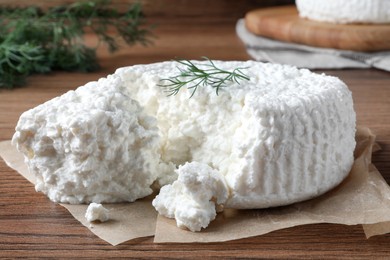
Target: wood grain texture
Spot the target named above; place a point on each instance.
(284, 23)
(32, 226)
(176, 8)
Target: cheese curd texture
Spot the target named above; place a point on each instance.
(94, 144)
(96, 211)
(193, 199)
(285, 136)
(340, 11)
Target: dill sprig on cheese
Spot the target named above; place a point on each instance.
(195, 75)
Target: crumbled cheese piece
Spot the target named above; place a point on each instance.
(194, 197)
(92, 144)
(341, 11)
(95, 212)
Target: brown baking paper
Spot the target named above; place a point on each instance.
(127, 220)
(362, 198)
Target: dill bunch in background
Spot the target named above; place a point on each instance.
(37, 41)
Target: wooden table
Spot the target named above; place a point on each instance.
(32, 226)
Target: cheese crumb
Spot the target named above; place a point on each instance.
(96, 212)
(193, 199)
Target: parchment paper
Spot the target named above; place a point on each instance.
(363, 198)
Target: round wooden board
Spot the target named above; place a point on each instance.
(284, 24)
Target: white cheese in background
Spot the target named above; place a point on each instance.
(94, 144)
(341, 11)
(194, 198)
(285, 136)
(96, 212)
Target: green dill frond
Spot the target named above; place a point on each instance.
(37, 41)
(193, 76)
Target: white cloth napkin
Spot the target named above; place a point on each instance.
(266, 49)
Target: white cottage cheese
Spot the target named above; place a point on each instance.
(341, 11)
(96, 212)
(94, 144)
(194, 198)
(287, 135)
(284, 136)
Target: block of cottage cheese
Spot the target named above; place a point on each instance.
(94, 144)
(340, 11)
(284, 136)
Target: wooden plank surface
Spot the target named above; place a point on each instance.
(170, 8)
(32, 226)
(284, 24)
